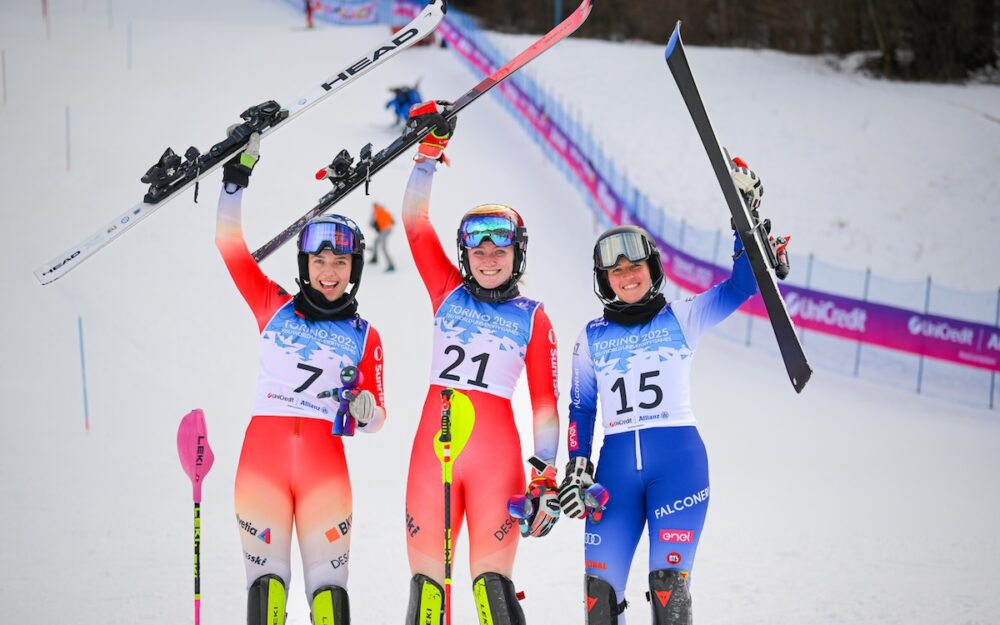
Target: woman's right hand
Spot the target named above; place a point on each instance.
(431, 114)
(579, 477)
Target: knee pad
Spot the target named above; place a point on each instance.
(497, 603)
(330, 606)
(669, 597)
(266, 601)
(426, 605)
(602, 603)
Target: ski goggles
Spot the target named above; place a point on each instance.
(632, 245)
(501, 231)
(339, 238)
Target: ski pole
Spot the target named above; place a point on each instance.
(446, 478)
(196, 459)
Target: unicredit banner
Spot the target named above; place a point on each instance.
(345, 12)
(953, 340)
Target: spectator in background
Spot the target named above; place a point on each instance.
(403, 98)
(382, 222)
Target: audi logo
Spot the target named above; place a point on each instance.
(591, 539)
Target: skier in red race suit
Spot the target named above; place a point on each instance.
(292, 467)
(485, 334)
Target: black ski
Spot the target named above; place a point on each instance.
(347, 176)
(751, 231)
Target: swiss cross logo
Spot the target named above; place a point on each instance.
(591, 602)
(663, 596)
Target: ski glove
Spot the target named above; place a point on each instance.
(543, 492)
(779, 244)
(431, 115)
(579, 477)
(362, 407)
(237, 170)
(747, 182)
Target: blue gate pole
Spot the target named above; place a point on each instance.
(857, 352)
(927, 308)
(83, 373)
(557, 13)
(993, 376)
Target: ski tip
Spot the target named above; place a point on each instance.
(799, 381)
(675, 37)
(42, 279)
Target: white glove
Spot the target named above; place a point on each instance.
(543, 492)
(747, 182)
(579, 477)
(362, 407)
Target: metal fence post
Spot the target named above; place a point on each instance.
(809, 277)
(920, 367)
(680, 246)
(864, 297)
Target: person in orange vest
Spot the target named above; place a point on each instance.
(383, 222)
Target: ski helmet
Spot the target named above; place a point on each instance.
(635, 244)
(340, 235)
(503, 226)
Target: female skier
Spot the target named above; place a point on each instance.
(485, 334)
(291, 465)
(637, 359)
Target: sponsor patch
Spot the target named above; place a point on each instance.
(676, 536)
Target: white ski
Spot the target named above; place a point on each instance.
(178, 176)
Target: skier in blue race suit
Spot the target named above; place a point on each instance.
(403, 99)
(636, 359)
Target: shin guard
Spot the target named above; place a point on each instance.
(497, 602)
(330, 606)
(266, 601)
(426, 602)
(669, 597)
(602, 603)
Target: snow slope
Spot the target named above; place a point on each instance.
(849, 503)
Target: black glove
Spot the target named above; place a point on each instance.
(237, 171)
(431, 115)
(579, 477)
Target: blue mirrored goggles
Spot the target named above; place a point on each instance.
(631, 245)
(339, 238)
(501, 231)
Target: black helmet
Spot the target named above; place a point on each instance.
(340, 235)
(635, 244)
(503, 226)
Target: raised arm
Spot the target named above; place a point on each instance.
(263, 296)
(440, 276)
